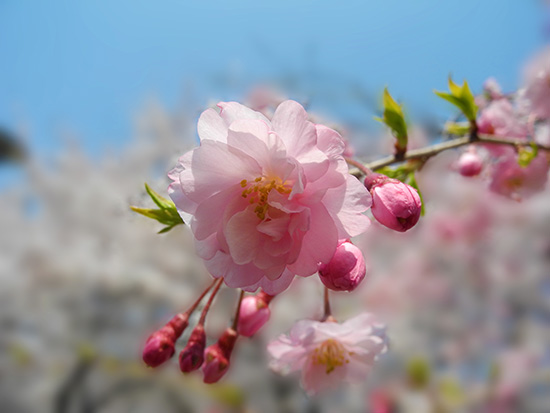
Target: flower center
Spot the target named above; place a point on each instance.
(258, 191)
(331, 353)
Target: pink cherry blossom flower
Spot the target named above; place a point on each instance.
(501, 119)
(267, 199)
(328, 353)
(346, 269)
(537, 84)
(510, 179)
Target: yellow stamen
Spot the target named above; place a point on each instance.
(260, 192)
(331, 353)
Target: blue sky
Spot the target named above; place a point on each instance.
(88, 66)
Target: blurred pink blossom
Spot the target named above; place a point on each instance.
(470, 163)
(537, 84)
(510, 179)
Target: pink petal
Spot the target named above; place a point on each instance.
(242, 236)
(232, 111)
(319, 243)
(211, 126)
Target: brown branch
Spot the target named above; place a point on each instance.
(423, 154)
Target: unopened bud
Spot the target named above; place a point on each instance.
(470, 164)
(346, 269)
(217, 356)
(192, 356)
(159, 347)
(253, 314)
(395, 204)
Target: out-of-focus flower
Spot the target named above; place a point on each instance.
(542, 134)
(264, 99)
(537, 84)
(470, 163)
(346, 269)
(510, 179)
(328, 353)
(217, 356)
(254, 313)
(192, 356)
(500, 119)
(492, 88)
(160, 345)
(267, 200)
(395, 204)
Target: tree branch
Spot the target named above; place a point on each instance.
(423, 154)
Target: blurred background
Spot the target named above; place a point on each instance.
(97, 98)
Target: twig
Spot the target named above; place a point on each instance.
(423, 154)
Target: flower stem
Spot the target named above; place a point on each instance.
(196, 304)
(328, 312)
(364, 169)
(238, 312)
(218, 284)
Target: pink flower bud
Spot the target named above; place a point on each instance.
(345, 270)
(254, 313)
(469, 164)
(160, 345)
(192, 356)
(394, 204)
(216, 357)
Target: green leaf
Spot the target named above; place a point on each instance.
(462, 97)
(526, 154)
(161, 202)
(395, 120)
(412, 182)
(457, 128)
(167, 214)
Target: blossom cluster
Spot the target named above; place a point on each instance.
(269, 195)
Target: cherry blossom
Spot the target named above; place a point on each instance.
(328, 353)
(267, 199)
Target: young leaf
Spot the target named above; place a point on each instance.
(462, 97)
(412, 182)
(167, 214)
(527, 154)
(161, 202)
(457, 128)
(395, 120)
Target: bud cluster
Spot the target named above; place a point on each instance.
(252, 313)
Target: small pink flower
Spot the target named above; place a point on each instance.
(253, 314)
(160, 345)
(492, 88)
(395, 204)
(328, 353)
(542, 134)
(537, 84)
(470, 163)
(501, 119)
(346, 269)
(192, 356)
(267, 199)
(510, 179)
(217, 357)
